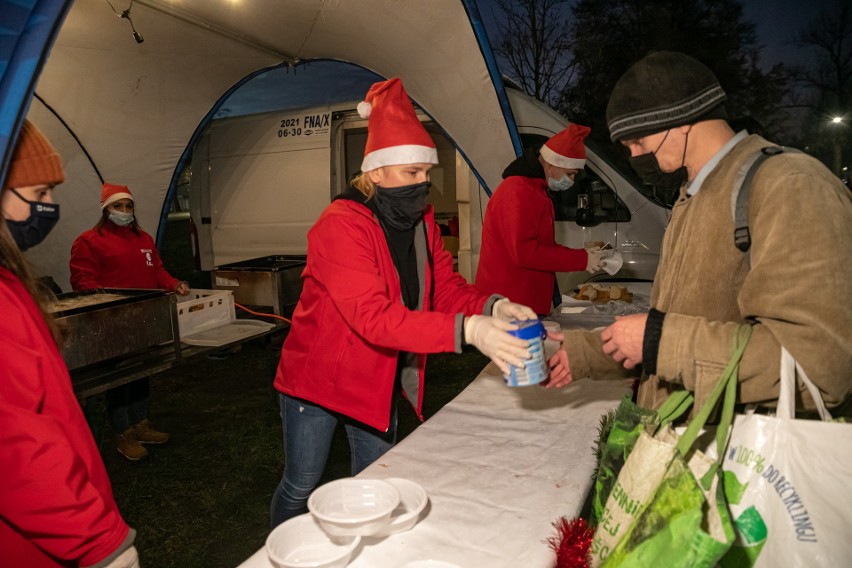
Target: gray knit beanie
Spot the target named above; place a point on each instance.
(663, 90)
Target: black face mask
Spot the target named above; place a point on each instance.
(402, 207)
(666, 184)
(33, 230)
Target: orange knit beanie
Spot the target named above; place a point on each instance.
(34, 161)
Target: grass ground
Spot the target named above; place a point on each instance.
(203, 498)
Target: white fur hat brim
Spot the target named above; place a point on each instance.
(561, 161)
(398, 155)
(115, 197)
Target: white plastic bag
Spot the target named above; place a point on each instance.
(789, 484)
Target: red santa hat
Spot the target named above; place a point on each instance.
(111, 193)
(566, 149)
(394, 133)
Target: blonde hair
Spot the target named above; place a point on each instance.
(364, 184)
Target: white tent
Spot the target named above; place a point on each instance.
(126, 112)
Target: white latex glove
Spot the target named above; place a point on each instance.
(489, 335)
(505, 310)
(596, 259)
(127, 559)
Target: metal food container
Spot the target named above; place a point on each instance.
(274, 281)
(103, 324)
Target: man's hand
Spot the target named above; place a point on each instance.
(560, 372)
(505, 310)
(623, 340)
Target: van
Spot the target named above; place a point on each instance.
(618, 212)
(260, 181)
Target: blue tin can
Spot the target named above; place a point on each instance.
(534, 370)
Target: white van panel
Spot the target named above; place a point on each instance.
(638, 240)
(265, 204)
(259, 183)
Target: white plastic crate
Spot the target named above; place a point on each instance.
(207, 317)
(204, 309)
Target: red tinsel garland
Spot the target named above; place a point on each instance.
(572, 543)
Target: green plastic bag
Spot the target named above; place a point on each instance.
(667, 506)
(630, 419)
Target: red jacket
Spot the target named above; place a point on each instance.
(56, 503)
(350, 323)
(116, 257)
(519, 257)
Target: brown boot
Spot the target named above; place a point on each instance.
(128, 446)
(147, 435)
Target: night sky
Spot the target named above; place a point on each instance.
(777, 23)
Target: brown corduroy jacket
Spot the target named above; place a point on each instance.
(794, 288)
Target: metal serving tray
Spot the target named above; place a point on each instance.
(107, 323)
(274, 281)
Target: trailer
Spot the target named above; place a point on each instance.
(259, 182)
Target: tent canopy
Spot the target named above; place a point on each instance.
(126, 112)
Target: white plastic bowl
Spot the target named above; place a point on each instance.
(412, 501)
(353, 506)
(301, 543)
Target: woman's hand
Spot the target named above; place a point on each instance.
(182, 288)
(489, 335)
(505, 310)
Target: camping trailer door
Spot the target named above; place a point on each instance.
(259, 182)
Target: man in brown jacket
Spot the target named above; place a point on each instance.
(792, 286)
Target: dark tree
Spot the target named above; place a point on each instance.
(608, 36)
(534, 45)
(825, 88)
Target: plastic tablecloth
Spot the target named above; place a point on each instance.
(500, 465)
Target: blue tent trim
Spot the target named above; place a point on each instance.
(494, 72)
(26, 36)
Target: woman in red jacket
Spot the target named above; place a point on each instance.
(117, 253)
(379, 292)
(56, 503)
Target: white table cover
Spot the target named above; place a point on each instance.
(500, 465)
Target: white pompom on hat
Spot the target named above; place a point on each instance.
(566, 149)
(111, 193)
(395, 135)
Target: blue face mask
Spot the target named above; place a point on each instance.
(31, 231)
(121, 219)
(562, 184)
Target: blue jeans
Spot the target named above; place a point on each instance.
(128, 404)
(308, 431)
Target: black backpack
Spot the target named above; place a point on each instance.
(741, 191)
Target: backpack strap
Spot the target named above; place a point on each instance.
(742, 190)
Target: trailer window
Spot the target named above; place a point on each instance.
(606, 206)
